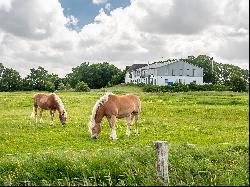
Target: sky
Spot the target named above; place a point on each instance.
(61, 34)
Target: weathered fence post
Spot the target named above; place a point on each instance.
(162, 159)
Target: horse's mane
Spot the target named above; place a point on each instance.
(59, 101)
(98, 103)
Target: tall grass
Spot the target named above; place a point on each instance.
(207, 132)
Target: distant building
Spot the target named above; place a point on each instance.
(164, 73)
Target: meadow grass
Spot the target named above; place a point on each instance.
(207, 133)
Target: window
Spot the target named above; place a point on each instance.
(193, 72)
(172, 72)
(166, 73)
(181, 72)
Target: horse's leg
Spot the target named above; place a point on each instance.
(112, 121)
(129, 121)
(35, 113)
(41, 113)
(52, 112)
(136, 124)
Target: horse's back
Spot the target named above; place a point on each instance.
(124, 104)
(44, 100)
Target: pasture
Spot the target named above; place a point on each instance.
(207, 132)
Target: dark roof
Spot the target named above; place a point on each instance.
(136, 66)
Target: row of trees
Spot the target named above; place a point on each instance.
(82, 78)
(86, 76)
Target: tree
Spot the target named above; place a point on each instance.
(238, 84)
(215, 72)
(95, 75)
(55, 79)
(40, 79)
(1, 69)
(49, 86)
(37, 78)
(10, 79)
(117, 78)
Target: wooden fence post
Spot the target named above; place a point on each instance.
(162, 159)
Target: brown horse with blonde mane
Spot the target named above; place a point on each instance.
(113, 107)
(50, 102)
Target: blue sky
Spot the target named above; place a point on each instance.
(85, 10)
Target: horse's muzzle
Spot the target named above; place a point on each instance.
(94, 136)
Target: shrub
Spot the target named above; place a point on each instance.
(185, 88)
(82, 87)
(49, 86)
(61, 86)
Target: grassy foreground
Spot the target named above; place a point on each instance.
(207, 132)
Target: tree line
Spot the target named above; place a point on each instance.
(82, 78)
(88, 76)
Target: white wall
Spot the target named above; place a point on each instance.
(127, 79)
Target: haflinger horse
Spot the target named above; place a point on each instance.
(113, 107)
(50, 102)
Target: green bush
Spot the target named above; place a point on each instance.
(185, 88)
(61, 86)
(49, 86)
(82, 87)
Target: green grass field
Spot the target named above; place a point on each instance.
(207, 132)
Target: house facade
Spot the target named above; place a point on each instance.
(163, 74)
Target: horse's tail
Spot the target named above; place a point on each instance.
(138, 103)
(33, 113)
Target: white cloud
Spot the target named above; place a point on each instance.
(99, 1)
(5, 5)
(34, 32)
(108, 6)
(72, 20)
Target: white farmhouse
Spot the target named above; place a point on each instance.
(164, 73)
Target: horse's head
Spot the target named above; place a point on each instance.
(63, 117)
(95, 129)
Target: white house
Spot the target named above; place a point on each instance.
(164, 73)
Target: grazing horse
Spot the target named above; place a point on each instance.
(113, 107)
(49, 102)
